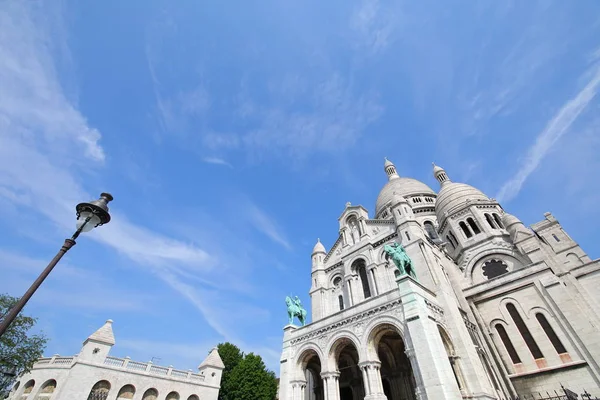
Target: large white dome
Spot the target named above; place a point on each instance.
(453, 195)
(400, 186)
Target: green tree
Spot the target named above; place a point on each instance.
(19, 349)
(231, 356)
(245, 376)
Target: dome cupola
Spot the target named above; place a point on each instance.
(398, 187)
(453, 195)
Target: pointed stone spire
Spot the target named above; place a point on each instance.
(103, 335)
(213, 360)
(390, 169)
(440, 174)
(319, 248)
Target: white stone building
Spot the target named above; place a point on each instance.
(95, 375)
(499, 309)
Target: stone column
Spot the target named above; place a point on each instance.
(424, 347)
(331, 384)
(298, 388)
(372, 380)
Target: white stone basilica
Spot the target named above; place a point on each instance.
(498, 309)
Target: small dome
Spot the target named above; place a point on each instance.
(509, 220)
(452, 195)
(319, 248)
(400, 187)
(514, 225)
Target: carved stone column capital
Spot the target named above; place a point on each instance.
(298, 383)
(333, 375)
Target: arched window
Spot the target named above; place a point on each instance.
(514, 356)
(465, 229)
(494, 268)
(558, 346)
(555, 237)
(407, 235)
(341, 302)
(126, 392)
(150, 394)
(362, 272)
(524, 331)
(99, 391)
(453, 238)
(498, 220)
(490, 221)
(473, 226)
(193, 397)
(430, 229)
(450, 242)
(47, 390)
(172, 396)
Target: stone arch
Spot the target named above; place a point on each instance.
(100, 390)
(28, 387)
(309, 366)
(126, 392)
(344, 357)
(46, 390)
(386, 343)
(374, 328)
(336, 344)
(573, 259)
(150, 394)
(495, 321)
(193, 397)
(304, 354)
(451, 352)
(516, 303)
(172, 396)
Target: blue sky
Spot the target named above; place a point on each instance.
(232, 134)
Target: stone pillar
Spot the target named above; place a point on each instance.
(424, 347)
(298, 388)
(372, 380)
(286, 369)
(331, 384)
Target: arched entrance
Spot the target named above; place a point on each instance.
(351, 378)
(397, 377)
(310, 365)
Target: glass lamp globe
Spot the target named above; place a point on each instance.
(91, 224)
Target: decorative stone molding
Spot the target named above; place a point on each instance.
(355, 318)
(331, 251)
(334, 266)
(385, 239)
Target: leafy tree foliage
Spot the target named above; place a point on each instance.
(19, 349)
(245, 376)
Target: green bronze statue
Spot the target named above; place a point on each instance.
(401, 259)
(295, 309)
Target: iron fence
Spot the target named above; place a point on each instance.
(562, 394)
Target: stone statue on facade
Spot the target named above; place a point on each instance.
(401, 259)
(354, 231)
(295, 309)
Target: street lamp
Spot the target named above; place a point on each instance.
(89, 216)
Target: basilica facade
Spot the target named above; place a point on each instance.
(494, 309)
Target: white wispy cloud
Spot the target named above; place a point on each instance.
(554, 130)
(48, 150)
(217, 161)
(265, 224)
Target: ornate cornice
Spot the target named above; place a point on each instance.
(347, 321)
(334, 266)
(385, 239)
(339, 239)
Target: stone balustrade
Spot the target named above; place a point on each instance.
(123, 363)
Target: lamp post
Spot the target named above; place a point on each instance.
(89, 216)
